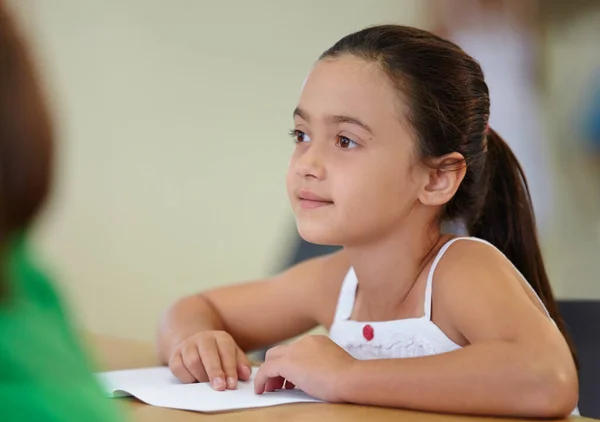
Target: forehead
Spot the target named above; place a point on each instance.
(348, 85)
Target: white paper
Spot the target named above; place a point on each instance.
(158, 387)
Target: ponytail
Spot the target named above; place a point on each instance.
(507, 221)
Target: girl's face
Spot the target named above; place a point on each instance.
(355, 174)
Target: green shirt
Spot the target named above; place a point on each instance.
(44, 373)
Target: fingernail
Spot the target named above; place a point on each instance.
(231, 382)
(218, 382)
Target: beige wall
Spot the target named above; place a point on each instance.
(572, 59)
(173, 119)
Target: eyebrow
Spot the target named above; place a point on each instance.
(336, 119)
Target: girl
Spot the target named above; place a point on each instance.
(392, 140)
(44, 373)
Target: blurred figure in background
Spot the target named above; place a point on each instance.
(591, 124)
(502, 36)
(44, 375)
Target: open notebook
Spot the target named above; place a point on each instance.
(158, 387)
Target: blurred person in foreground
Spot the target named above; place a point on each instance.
(44, 373)
(503, 36)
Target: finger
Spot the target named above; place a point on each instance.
(274, 384)
(244, 366)
(267, 370)
(212, 363)
(275, 352)
(228, 355)
(179, 370)
(193, 363)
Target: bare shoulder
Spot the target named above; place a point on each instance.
(479, 292)
(468, 263)
(471, 256)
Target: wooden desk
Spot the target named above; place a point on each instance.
(113, 354)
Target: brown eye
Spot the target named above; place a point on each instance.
(345, 143)
(299, 136)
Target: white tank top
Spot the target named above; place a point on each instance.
(402, 338)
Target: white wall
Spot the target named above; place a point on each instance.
(172, 119)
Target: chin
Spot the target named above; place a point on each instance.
(319, 234)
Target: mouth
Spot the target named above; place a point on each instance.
(310, 200)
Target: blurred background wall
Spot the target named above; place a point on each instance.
(570, 72)
(172, 119)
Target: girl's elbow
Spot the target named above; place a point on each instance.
(555, 392)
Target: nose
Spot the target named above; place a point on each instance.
(311, 162)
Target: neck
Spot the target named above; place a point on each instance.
(387, 267)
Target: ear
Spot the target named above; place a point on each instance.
(443, 178)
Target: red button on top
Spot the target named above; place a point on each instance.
(368, 332)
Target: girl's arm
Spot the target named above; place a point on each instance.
(260, 313)
(517, 363)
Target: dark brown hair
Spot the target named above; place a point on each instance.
(25, 137)
(449, 106)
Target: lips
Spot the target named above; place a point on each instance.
(310, 200)
(310, 196)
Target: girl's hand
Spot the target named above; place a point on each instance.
(314, 364)
(210, 356)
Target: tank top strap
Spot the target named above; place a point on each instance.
(440, 254)
(347, 297)
(429, 285)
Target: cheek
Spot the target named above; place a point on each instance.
(382, 193)
(290, 177)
